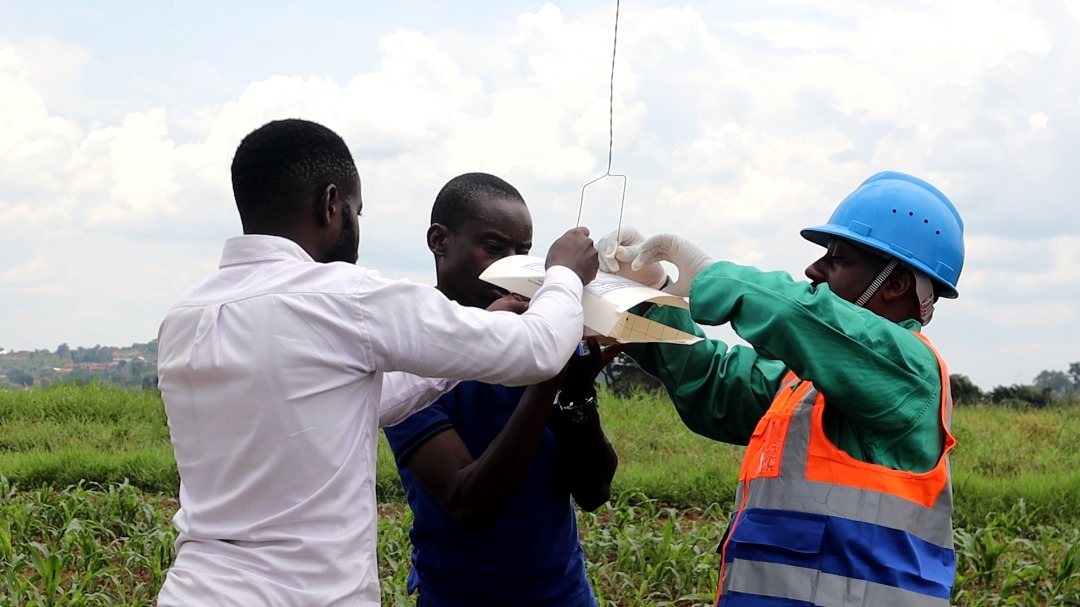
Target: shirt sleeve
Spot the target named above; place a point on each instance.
(409, 434)
(877, 373)
(416, 329)
(404, 393)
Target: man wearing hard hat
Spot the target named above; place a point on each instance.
(844, 495)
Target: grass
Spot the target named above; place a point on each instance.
(83, 546)
(101, 433)
(95, 432)
(88, 485)
(92, 546)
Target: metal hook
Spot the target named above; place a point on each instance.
(611, 135)
(622, 201)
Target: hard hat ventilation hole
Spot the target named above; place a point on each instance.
(926, 221)
(911, 213)
(894, 210)
(937, 231)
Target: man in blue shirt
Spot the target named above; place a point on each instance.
(489, 470)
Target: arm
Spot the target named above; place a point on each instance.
(719, 392)
(874, 371)
(403, 394)
(586, 461)
(474, 492)
(416, 329)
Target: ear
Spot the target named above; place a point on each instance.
(328, 204)
(899, 284)
(437, 235)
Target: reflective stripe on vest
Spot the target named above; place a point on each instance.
(814, 526)
(792, 585)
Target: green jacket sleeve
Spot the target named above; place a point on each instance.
(877, 374)
(719, 392)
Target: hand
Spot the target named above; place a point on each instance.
(510, 303)
(668, 247)
(612, 248)
(575, 250)
(581, 372)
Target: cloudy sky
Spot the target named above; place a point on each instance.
(737, 123)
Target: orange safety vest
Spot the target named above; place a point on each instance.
(814, 527)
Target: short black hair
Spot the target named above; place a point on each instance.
(283, 163)
(461, 193)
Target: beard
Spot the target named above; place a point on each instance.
(347, 245)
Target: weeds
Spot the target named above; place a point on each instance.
(91, 526)
(92, 546)
(84, 546)
(1015, 561)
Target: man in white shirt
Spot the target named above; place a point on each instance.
(278, 370)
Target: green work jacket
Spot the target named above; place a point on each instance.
(881, 382)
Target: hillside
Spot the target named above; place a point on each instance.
(134, 365)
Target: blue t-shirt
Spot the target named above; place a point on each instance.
(529, 556)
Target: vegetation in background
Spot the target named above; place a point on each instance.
(93, 546)
(102, 433)
(136, 366)
(83, 546)
(73, 532)
(132, 366)
(1048, 388)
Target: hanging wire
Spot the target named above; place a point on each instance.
(611, 133)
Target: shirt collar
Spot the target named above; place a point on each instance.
(260, 247)
(911, 325)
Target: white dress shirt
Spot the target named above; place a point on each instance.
(275, 374)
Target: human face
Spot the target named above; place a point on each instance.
(494, 227)
(346, 247)
(847, 268)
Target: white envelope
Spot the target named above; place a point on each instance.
(605, 301)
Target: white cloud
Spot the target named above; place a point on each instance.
(736, 126)
(135, 163)
(32, 142)
(36, 271)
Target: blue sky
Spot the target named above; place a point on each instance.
(737, 123)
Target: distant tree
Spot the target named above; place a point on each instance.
(63, 350)
(1074, 375)
(81, 376)
(964, 391)
(1059, 383)
(20, 377)
(1022, 394)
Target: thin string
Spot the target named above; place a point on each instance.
(611, 91)
(611, 132)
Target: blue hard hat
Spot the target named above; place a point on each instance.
(903, 217)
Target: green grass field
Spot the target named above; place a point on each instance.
(88, 486)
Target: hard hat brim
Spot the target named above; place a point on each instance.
(820, 235)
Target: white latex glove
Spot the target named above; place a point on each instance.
(612, 249)
(668, 247)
